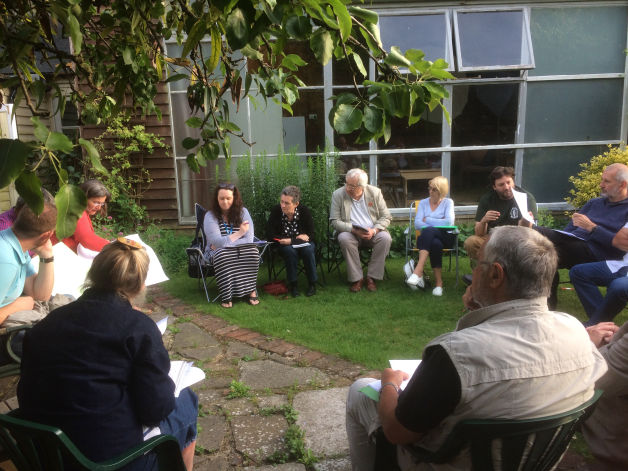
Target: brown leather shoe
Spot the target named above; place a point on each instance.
(357, 286)
(370, 284)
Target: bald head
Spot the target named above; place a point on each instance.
(614, 184)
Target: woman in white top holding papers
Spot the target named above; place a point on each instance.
(436, 210)
(98, 369)
(291, 226)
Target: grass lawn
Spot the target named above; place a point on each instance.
(367, 328)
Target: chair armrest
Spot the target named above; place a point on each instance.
(165, 447)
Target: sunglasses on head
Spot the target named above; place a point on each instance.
(226, 186)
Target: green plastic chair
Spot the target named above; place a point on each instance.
(526, 445)
(36, 447)
(13, 360)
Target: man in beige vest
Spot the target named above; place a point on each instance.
(360, 217)
(509, 357)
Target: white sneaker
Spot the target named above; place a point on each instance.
(416, 280)
(438, 291)
(408, 268)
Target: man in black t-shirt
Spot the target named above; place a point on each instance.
(497, 208)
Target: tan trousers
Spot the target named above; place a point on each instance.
(350, 245)
(472, 245)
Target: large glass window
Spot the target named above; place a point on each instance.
(576, 110)
(493, 40)
(430, 33)
(571, 41)
(546, 170)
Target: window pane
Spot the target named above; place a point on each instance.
(304, 130)
(578, 110)
(198, 187)
(403, 177)
(429, 33)
(470, 170)
(342, 72)
(578, 40)
(546, 171)
(266, 129)
(425, 133)
(484, 114)
(312, 73)
(493, 39)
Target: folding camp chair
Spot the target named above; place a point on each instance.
(198, 265)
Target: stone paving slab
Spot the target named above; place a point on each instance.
(322, 417)
(337, 464)
(213, 431)
(278, 467)
(259, 436)
(268, 374)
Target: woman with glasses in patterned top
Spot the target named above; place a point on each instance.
(97, 198)
(291, 226)
(436, 210)
(229, 230)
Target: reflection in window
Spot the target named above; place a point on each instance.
(493, 39)
(312, 73)
(577, 110)
(484, 114)
(342, 72)
(425, 133)
(403, 177)
(470, 170)
(542, 183)
(429, 33)
(304, 130)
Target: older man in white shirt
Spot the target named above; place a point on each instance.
(360, 216)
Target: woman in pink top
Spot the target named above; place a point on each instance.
(97, 198)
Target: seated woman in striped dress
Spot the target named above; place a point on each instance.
(235, 258)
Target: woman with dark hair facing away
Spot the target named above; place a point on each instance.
(98, 369)
(229, 230)
(436, 210)
(291, 225)
(97, 198)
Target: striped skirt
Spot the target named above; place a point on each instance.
(236, 270)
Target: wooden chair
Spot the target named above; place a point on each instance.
(523, 445)
(36, 447)
(411, 236)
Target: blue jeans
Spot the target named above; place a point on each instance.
(291, 256)
(586, 278)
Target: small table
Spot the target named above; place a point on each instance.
(418, 174)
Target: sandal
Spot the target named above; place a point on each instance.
(253, 300)
(226, 304)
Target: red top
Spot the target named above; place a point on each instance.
(85, 235)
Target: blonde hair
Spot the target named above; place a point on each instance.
(441, 184)
(119, 268)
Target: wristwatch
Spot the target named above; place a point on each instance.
(47, 260)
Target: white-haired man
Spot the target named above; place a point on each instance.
(360, 217)
(509, 357)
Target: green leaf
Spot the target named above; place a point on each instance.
(93, 155)
(41, 131)
(189, 143)
(395, 58)
(13, 156)
(298, 27)
(364, 14)
(194, 122)
(193, 163)
(347, 119)
(414, 55)
(176, 77)
(322, 45)
(127, 55)
(71, 202)
(59, 142)
(28, 186)
(232, 127)
(75, 33)
(237, 29)
(359, 64)
(194, 36)
(216, 49)
(344, 19)
(373, 119)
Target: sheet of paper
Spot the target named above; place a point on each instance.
(156, 273)
(184, 374)
(569, 234)
(522, 202)
(162, 325)
(70, 270)
(407, 366)
(304, 244)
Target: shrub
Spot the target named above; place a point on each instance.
(262, 178)
(587, 182)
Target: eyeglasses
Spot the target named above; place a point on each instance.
(97, 204)
(352, 187)
(226, 186)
